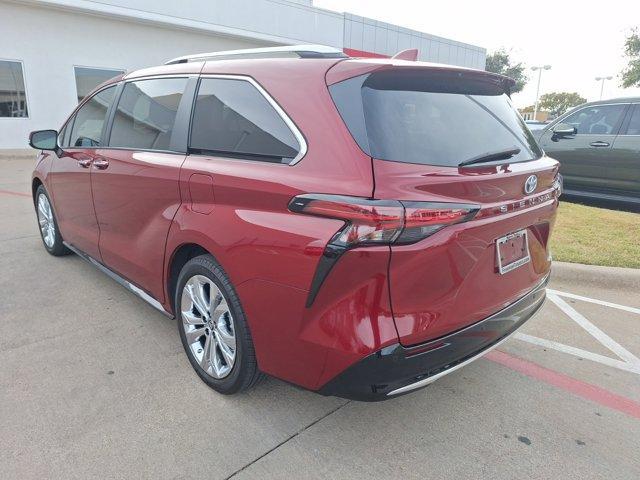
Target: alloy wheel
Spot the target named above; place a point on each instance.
(45, 219)
(208, 326)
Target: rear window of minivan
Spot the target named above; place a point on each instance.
(440, 118)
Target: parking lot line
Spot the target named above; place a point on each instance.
(594, 300)
(594, 331)
(577, 387)
(578, 352)
(17, 194)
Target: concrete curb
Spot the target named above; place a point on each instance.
(597, 276)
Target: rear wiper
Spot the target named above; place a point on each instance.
(491, 156)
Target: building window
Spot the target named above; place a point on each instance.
(13, 97)
(89, 78)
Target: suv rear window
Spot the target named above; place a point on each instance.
(431, 117)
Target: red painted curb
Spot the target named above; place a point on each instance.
(577, 387)
(17, 194)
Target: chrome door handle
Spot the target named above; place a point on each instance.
(101, 163)
(599, 143)
(84, 162)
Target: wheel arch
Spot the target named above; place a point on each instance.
(180, 256)
(35, 184)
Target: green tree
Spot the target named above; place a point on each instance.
(556, 103)
(500, 62)
(630, 76)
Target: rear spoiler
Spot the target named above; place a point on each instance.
(350, 68)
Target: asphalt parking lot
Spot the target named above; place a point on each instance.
(94, 384)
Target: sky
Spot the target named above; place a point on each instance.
(580, 39)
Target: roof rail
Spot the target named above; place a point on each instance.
(299, 51)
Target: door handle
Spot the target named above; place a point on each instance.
(599, 143)
(101, 163)
(84, 162)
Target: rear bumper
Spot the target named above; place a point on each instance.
(396, 370)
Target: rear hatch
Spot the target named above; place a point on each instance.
(449, 145)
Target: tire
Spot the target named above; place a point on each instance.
(209, 316)
(48, 225)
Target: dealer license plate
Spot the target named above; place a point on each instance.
(512, 251)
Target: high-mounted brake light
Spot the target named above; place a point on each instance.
(374, 222)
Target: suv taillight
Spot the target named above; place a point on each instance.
(374, 222)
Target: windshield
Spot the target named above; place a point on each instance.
(432, 117)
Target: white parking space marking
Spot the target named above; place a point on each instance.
(578, 352)
(594, 331)
(629, 362)
(593, 300)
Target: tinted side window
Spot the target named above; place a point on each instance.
(146, 114)
(89, 120)
(634, 123)
(596, 120)
(232, 118)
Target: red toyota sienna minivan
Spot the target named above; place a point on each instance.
(358, 227)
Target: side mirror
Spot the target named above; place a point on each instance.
(44, 140)
(564, 130)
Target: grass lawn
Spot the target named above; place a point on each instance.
(596, 236)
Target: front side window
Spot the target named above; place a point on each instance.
(596, 120)
(431, 118)
(146, 114)
(89, 78)
(89, 120)
(13, 97)
(634, 122)
(232, 118)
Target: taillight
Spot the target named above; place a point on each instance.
(422, 219)
(381, 221)
(374, 222)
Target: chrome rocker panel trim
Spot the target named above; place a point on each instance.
(119, 279)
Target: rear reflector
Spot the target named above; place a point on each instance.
(381, 221)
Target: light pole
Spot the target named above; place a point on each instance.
(601, 80)
(539, 69)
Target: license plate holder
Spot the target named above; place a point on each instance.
(512, 251)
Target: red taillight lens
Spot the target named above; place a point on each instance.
(381, 221)
(368, 221)
(425, 218)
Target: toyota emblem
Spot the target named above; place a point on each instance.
(531, 184)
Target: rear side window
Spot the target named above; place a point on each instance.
(431, 118)
(596, 120)
(89, 120)
(232, 118)
(146, 114)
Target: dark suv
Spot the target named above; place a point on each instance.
(598, 147)
(357, 227)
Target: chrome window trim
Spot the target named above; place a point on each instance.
(279, 110)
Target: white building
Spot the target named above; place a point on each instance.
(52, 52)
